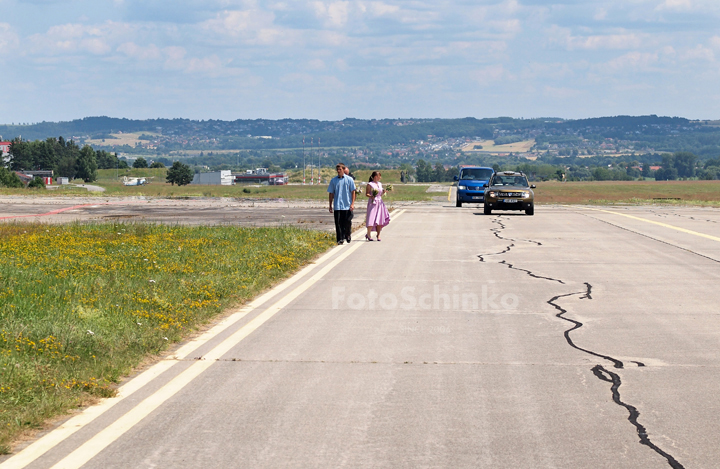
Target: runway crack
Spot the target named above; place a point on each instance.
(610, 377)
(598, 370)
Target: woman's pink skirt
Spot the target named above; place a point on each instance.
(377, 214)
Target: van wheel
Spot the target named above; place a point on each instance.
(458, 203)
(530, 211)
(487, 210)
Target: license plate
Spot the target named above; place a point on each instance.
(510, 201)
(477, 198)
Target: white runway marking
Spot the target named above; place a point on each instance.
(103, 439)
(52, 439)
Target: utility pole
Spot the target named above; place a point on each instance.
(312, 169)
(303, 160)
(319, 165)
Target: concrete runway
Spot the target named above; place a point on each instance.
(575, 338)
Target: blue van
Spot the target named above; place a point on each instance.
(470, 182)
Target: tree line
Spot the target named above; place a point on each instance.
(64, 157)
(678, 165)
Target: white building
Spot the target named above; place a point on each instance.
(216, 178)
(5, 150)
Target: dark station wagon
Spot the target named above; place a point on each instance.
(508, 190)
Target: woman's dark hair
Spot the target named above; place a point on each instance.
(372, 176)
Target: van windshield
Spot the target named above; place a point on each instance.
(477, 174)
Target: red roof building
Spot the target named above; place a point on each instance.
(5, 148)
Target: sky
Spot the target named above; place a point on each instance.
(328, 60)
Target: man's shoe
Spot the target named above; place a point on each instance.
(348, 239)
(340, 243)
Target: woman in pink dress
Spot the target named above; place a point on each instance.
(377, 214)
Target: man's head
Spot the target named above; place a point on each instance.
(347, 170)
(340, 169)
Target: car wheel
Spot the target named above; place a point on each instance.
(487, 210)
(530, 211)
(458, 203)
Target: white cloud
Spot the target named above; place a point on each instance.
(130, 49)
(548, 70)
(561, 92)
(252, 27)
(211, 65)
(239, 22)
(621, 40)
(699, 52)
(675, 5)
(510, 26)
(174, 57)
(9, 40)
(341, 65)
(316, 64)
(715, 42)
(383, 9)
(73, 38)
(630, 62)
(491, 74)
(333, 14)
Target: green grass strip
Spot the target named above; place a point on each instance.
(82, 305)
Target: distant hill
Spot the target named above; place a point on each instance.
(563, 137)
(349, 132)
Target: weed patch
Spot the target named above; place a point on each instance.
(81, 305)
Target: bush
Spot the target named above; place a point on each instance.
(9, 178)
(140, 162)
(666, 174)
(709, 174)
(37, 182)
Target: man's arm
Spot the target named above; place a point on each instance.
(352, 205)
(331, 196)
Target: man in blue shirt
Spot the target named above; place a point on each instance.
(341, 194)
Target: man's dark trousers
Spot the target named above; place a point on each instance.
(343, 224)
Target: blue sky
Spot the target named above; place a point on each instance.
(231, 59)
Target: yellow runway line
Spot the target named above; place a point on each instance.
(703, 235)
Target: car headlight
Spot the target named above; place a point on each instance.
(526, 195)
(462, 188)
(492, 194)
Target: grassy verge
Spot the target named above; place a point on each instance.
(81, 305)
(111, 175)
(608, 192)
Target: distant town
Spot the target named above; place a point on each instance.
(597, 148)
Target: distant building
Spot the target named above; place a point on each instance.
(261, 176)
(5, 150)
(216, 178)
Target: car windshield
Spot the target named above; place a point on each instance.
(520, 181)
(477, 174)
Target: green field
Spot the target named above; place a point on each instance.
(609, 192)
(590, 192)
(82, 305)
(157, 187)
